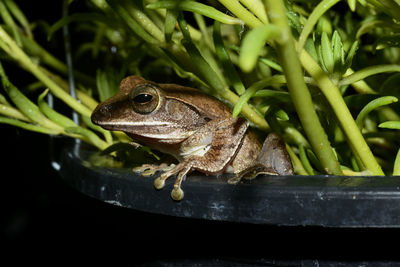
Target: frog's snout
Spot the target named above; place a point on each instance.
(102, 114)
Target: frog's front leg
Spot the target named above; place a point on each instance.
(209, 150)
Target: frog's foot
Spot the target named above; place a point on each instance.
(151, 169)
(177, 192)
(252, 173)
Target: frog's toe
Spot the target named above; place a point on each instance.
(234, 180)
(148, 172)
(177, 193)
(159, 183)
(151, 169)
(143, 168)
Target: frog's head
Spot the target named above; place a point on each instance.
(144, 111)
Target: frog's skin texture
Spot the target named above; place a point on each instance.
(198, 130)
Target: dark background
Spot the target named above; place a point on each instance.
(43, 217)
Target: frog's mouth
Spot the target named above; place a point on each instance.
(166, 131)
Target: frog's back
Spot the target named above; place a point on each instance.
(207, 104)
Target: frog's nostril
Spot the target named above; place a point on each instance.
(101, 114)
(105, 110)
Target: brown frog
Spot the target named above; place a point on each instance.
(198, 130)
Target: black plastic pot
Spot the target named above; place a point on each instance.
(279, 200)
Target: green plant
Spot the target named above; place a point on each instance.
(317, 72)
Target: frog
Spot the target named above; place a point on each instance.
(197, 129)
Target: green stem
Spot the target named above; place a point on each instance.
(14, 51)
(349, 126)
(298, 90)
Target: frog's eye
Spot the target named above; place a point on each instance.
(144, 98)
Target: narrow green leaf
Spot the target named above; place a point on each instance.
(396, 167)
(107, 82)
(150, 26)
(244, 98)
(195, 7)
(81, 17)
(387, 41)
(242, 13)
(257, 7)
(118, 8)
(390, 125)
(252, 44)
(265, 93)
(205, 70)
(338, 52)
(390, 7)
(12, 112)
(314, 160)
(91, 137)
(170, 23)
(20, 16)
(350, 56)
(223, 56)
(271, 64)
(324, 25)
(282, 115)
(315, 15)
(15, 52)
(354, 164)
(107, 134)
(4, 101)
(297, 165)
(271, 117)
(381, 101)
(327, 53)
(252, 90)
(27, 107)
(52, 114)
(295, 136)
(9, 21)
(27, 126)
(305, 161)
(320, 59)
(368, 71)
(352, 4)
